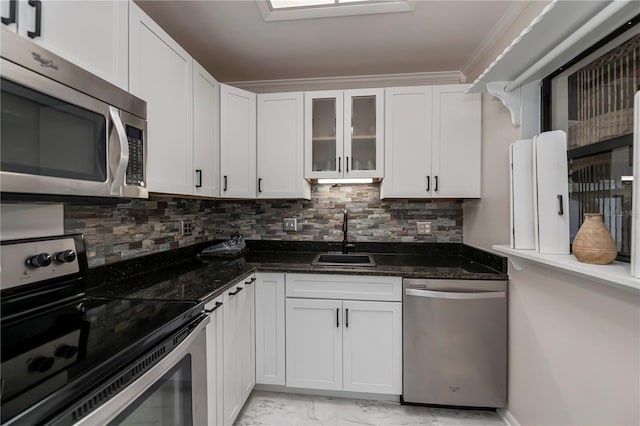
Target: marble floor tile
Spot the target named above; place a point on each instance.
(275, 409)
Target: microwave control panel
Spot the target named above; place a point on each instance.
(135, 169)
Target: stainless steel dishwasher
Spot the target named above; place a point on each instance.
(455, 342)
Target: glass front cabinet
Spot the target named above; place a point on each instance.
(344, 134)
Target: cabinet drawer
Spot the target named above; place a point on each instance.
(346, 287)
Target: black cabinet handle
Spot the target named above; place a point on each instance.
(208, 311)
(251, 281)
(12, 13)
(347, 165)
(225, 183)
(199, 173)
(561, 210)
(428, 182)
(337, 317)
(435, 186)
(238, 290)
(38, 5)
(259, 184)
(339, 164)
(346, 320)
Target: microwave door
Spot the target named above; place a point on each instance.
(54, 138)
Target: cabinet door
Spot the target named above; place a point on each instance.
(237, 142)
(323, 124)
(9, 12)
(270, 329)
(314, 343)
(246, 338)
(363, 133)
(206, 142)
(280, 147)
(408, 143)
(215, 389)
(91, 34)
(456, 147)
(373, 347)
(161, 73)
(231, 360)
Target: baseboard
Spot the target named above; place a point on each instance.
(507, 417)
(329, 393)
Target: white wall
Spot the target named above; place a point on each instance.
(574, 345)
(486, 221)
(574, 350)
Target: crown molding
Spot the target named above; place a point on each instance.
(351, 82)
(503, 24)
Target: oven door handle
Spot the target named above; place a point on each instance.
(118, 152)
(115, 405)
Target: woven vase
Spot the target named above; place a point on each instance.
(593, 242)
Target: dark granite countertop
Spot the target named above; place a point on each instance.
(182, 275)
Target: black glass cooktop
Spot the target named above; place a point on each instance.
(52, 356)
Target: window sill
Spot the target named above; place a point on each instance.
(617, 274)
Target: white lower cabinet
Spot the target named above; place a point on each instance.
(215, 387)
(334, 343)
(270, 328)
(314, 344)
(372, 347)
(239, 347)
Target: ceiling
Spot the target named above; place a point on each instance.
(234, 43)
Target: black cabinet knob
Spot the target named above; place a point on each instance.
(39, 260)
(41, 364)
(66, 351)
(65, 256)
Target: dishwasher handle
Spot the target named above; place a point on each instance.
(451, 295)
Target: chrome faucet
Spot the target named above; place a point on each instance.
(346, 245)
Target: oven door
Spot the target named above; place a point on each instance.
(57, 140)
(173, 391)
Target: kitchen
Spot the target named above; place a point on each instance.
(545, 368)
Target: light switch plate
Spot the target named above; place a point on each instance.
(424, 228)
(290, 224)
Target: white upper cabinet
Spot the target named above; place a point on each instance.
(433, 139)
(408, 118)
(91, 34)
(343, 134)
(281, 146)
(161, 73)
(237, 142)
(206, 139)
(363, 133)
(456, 143)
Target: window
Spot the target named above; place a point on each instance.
(591, 98)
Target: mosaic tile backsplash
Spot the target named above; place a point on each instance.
(122, 231)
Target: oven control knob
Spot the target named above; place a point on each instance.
(65, 256)
(41, 364)
(39, 260)
(66, 351)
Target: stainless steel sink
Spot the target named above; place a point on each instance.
(341, 259)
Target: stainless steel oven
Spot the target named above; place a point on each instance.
(66, 131)
(71, 359)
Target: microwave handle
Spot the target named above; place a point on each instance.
(119, 152)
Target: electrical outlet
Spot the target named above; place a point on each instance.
(186, 228)
(424, 228)
(290, 224)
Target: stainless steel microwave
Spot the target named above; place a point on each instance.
(65, 131)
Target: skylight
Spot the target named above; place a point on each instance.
(287, 4)
(280, 10)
